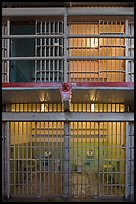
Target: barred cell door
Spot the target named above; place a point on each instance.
(36, 159)
(97, 158)
(64, 159)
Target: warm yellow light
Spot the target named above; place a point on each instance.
(93, 42)
(92, 107)
(42, 107)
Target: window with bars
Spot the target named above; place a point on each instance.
(95, 51)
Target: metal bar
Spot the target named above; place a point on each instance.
(119, 35)
(71, 11)
(36, 54)
(127, 178)
(100, 11)
(45, 51)
(26, 133)
(33, 36)
(49, 78)
(18, 157)
(101, 58)
(126, 52)
(11, 116)
(40, 163)
(40, 46)
(66, 160)
(8, 50)
(70, 58)
(32, 12)
(8, 158)
(31, 58)
(65, 47)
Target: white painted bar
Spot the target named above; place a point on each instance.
(71, 11)
(8, 116)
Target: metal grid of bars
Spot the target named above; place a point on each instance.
(5, 52)
(49, 70)
(36, 159)
(60, 108)
(97, 159)
(4, 164)
(131, 160)
(96, 155)
(131, 52)
(107, 41)
(96, 51)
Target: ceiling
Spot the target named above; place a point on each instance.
(78, 95)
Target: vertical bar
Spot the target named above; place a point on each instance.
(49, 52)
(127, 179)
(58, 68)
(66, 159)
(3, 158)
(111, 51)
(24, 170)
(18, 159)
(8, 49)
(48, 165)
(52, 170)
(3, 54)
(57, 159)
(36, 51)
(54, 73)
(120, 173)
(14, 155)
(99, 125)
(41, 52)
(44, 170)
(127, 51)
(31, 155)
(45, 51)
(8, 158)
(26, 135)
(35, 148)
(40, 163)
(107, 52)
(61, 155)
(65, 47)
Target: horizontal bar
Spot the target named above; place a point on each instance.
(73, 84)
(31, 36)
(69, 36)
(32, 58)
(126, 11)
(8, 116)
(101, 11)
(69, 58)
(100, 36)
(100, 58)
(33, 12)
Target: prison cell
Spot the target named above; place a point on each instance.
(36, 158)
(35, 164)
(97, 159)
(97, 69)
(89, 52)
(49, 70)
